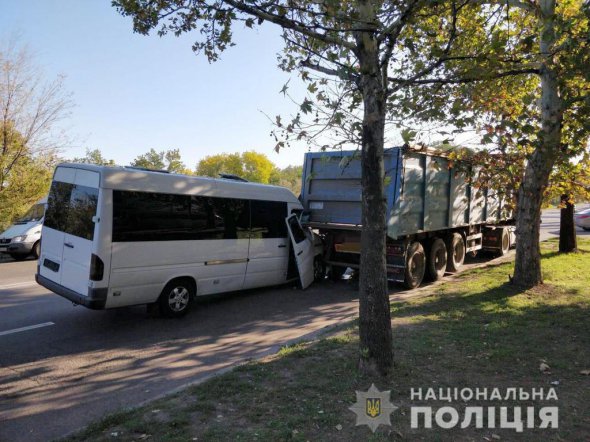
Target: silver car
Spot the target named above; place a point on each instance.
(582, 219)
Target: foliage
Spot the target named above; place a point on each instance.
(289, 177)
(252, 166)
(571, 177)
(94, 156)
(165, 160)
(28, 182)
(31, 106)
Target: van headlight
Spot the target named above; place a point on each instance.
(20, 238)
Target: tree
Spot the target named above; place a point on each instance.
(569, 182)
(28, 181)
(252, 166)
(352, 44)
(289, 177)
(94, 156)
(165, 160)
(30, 109)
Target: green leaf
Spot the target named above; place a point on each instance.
(306, 106)
(408, 135)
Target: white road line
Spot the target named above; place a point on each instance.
(17, 284)
(22, 329)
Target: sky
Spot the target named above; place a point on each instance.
(133, 92)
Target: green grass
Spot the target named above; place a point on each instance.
(476, 330)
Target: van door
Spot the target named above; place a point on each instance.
(54, 224)
(303, 250)
(268, 254)
(80, 234)
(69, 228)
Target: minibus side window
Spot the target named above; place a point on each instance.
(267, 219)
(236, 216)
(146, 216)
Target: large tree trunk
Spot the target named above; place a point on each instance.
(527, 268)
(567, 229)
(376, 352)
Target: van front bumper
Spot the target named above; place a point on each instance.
(17, 248)
(96, 299)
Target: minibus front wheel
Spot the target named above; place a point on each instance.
(177, 297)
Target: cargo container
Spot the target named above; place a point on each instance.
(435, 215)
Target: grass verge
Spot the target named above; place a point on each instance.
(474, 331)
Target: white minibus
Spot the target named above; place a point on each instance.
(119, 236)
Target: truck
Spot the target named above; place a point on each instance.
(435, 212)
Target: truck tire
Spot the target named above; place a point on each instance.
(336, 272)
(415, 265)
(504, 242)
(437, 260)
(176, 299)
(455, 253)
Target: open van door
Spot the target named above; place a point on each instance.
(303, 250)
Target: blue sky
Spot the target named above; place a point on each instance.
(133, 92)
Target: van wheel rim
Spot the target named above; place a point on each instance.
(178, 299)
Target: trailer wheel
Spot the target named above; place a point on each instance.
(415, 265)
(437, 260)
(456, 253)
(176, 298)
(505, 244)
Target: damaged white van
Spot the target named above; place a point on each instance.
(119, 236)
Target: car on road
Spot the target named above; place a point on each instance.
(23, 238)
(582, 219)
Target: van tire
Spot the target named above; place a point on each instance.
(415, 266)
(456, 252)
(437, 260)
(36, 250)
(177, 297)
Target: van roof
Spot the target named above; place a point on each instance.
(127, 178)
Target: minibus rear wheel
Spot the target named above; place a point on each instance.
(177, 297)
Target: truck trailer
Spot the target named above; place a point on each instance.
(435, 214)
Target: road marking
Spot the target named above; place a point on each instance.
(17, 284)
(22, 329)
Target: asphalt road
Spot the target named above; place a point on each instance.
(62, 367)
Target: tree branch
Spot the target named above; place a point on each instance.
(463, 80)
(288, 24)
